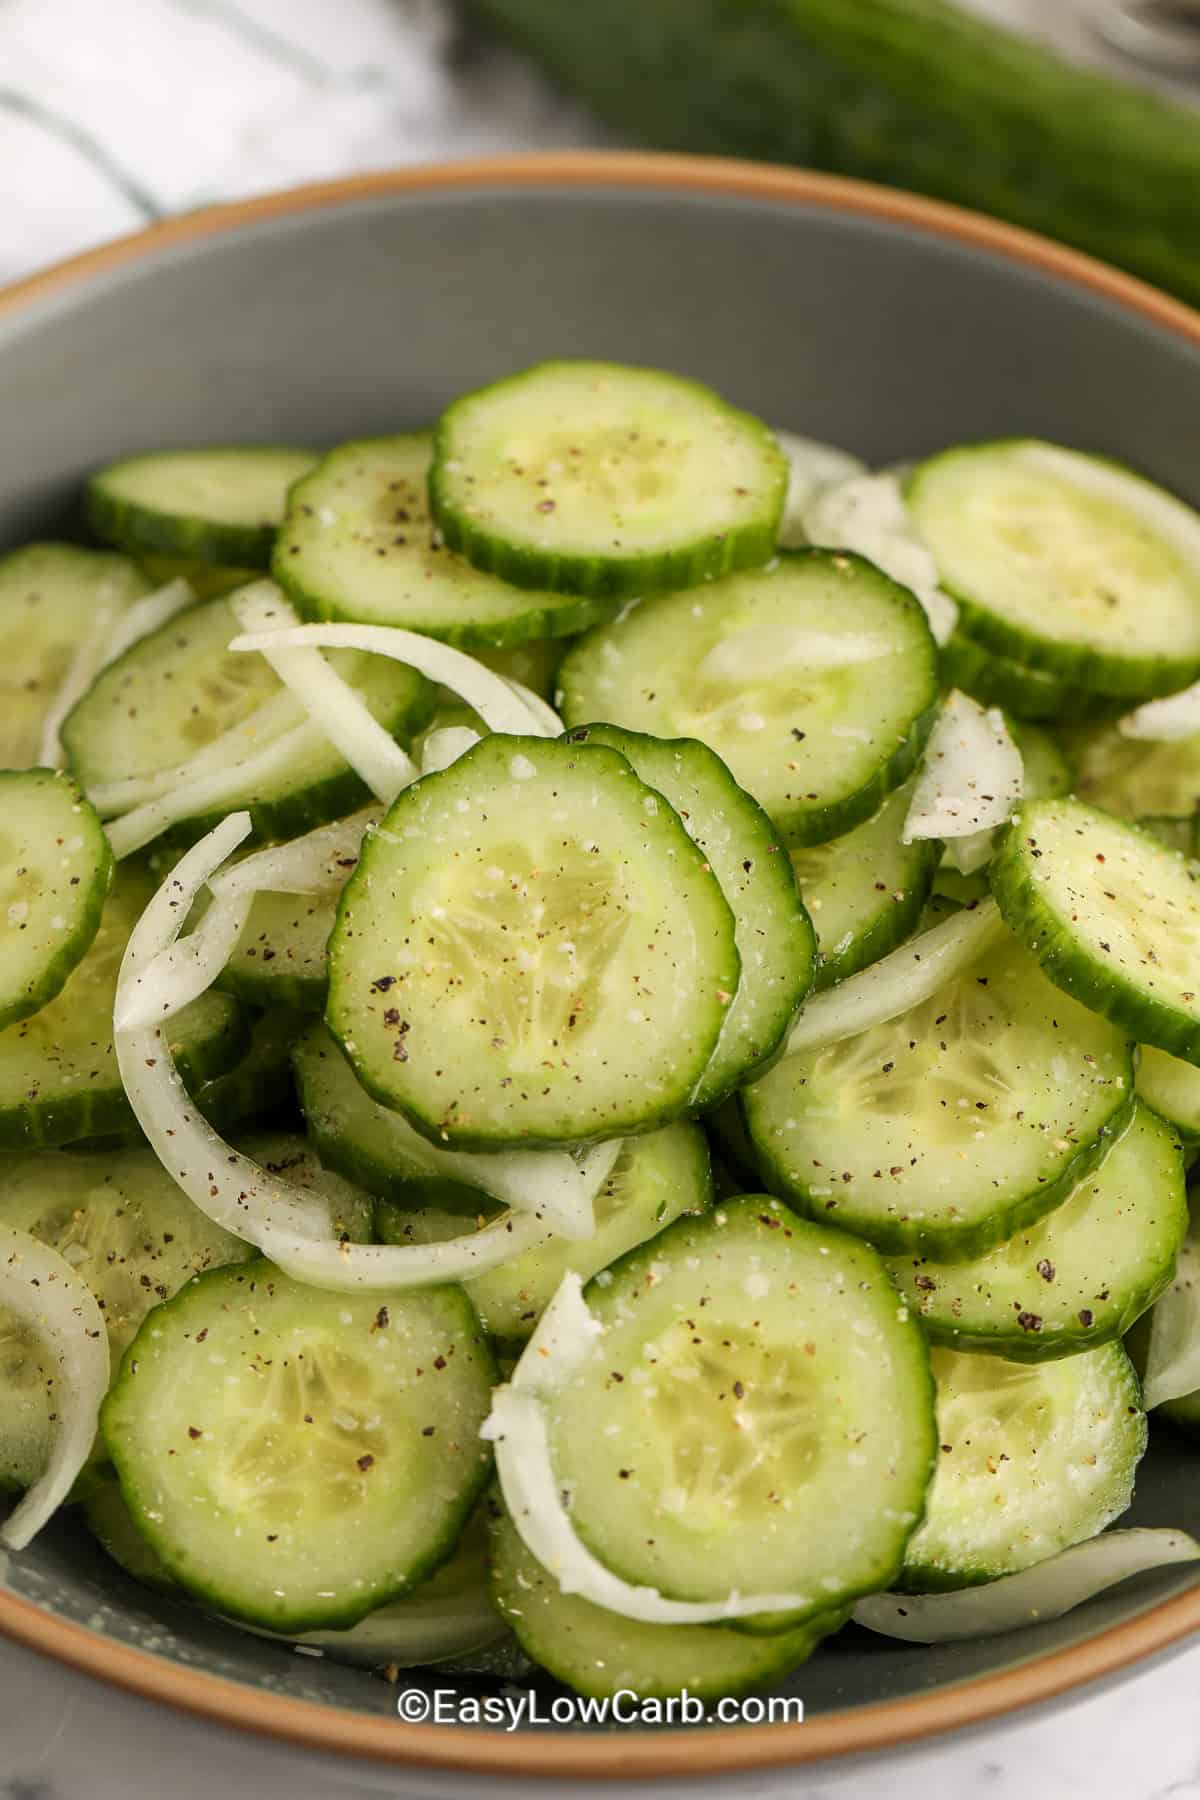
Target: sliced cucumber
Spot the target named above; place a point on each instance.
(58, 1071)
(598, 1652)
(1033, 1458)
(1136, 776)
(359, 543)
(775, 939)
(55, 869)
(1172, 1088)
(657, 1178)
(208, 581)
(1047, 768)
(280, 956)
(351, 1211)
(865, 891)
(220, 505)
(1111, 914)
(132, 1236)
(754, 1415)
(180, 688)
(534, 663)
(1078, 1277)
(111, 1523)
(297, 1457)
(814, 680)
(259, 1085)
(539, 909)
(1066, 562)
(1179, 834)
(954, 1125)
(594, 478)
(50, 598)
(995, 680)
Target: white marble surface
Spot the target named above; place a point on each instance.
(113, 112)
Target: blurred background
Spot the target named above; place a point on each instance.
(1077, 117)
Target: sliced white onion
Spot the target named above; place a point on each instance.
(411, 1633)
(340, 714)
(445, 745)
(971, 776)
(910, 975)
(42, 1289)
(281, 1219)
(867, 514)
(1166, 721)
(320, 862)
(1030, 1597)
(1173, 1353)
(543, 713)
(516, 1427)
(812, 466)
(491, 695)
(111, 634)
(212, 792)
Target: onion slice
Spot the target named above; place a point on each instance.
(1166, 721)
(867, 515)
(812, 466)
(971, 775)
(282, 1220)
(491, 695)
(910, 975)
(445, 745)
(1045, 1591)
(42, 1289)
(331, 703)
(516, 1427)
(1173, 1353)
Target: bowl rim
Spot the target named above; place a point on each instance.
(626, 1756)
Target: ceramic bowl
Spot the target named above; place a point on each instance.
(882, 322)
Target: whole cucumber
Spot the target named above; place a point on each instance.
(915, 93)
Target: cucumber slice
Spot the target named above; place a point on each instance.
(297, 1457)
(954, 1125)
(131, 1234)
(539, 909)
(280, 957)
(593, 478)
(1066, 562)
(774, 935)
(656, 1179)
(754, 1415)
(865, 891)
(58, 1072)
(208, 581)
(359, 543)
(1078, 1277)
(1047, 768)
(50, 597)
(1033, 1458)
(1177, 834)
(221, 505)
(815, 681)
(180, 688)
(534, 663)
(1111, 914)
(110, 1522)
(1172, 1088)
(259, 1084)
(599, 1653)
(55, 868)
(1026, 693)
(1136, 776)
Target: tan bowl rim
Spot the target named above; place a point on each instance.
(623, 1756)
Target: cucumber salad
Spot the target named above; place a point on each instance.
(600, 1034)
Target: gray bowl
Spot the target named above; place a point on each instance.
(883, 323)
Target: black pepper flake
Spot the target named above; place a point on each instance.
(1029, 1321)
(366, 1461)
(382, 983)
(194, 1431)
(1086, 1316)
(1045, 1269)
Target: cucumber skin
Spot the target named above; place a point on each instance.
(602, 577)
(71, 952)
(1074, 970)
(913, 93)
(106, 1114)
(995, 679)
(140, 530)
(947, 1243)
